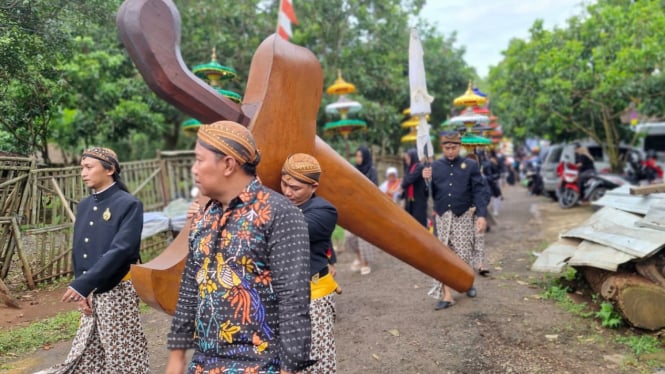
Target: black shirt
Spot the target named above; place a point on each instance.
(457, 185)
(321, 218)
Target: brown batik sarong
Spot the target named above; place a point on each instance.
(459, 233)
(111, 340)
(322, 313)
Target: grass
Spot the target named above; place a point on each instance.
(27, 339)
(62, 326)
(338, 237)
(640, 344)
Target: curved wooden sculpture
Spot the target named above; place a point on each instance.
(280, 105)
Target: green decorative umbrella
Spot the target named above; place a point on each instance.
(214, 72)
(190, 126)
(230, 95)
(474, 140)
(344, 127)
(214, 69)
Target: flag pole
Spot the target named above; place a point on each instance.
(279, 10)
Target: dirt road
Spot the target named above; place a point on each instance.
(387, 323)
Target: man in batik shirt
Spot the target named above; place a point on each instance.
(244, 298)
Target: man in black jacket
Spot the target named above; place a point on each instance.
(460, 207)
(300, 179)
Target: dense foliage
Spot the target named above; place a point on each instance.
(69, 81)
(579, 81)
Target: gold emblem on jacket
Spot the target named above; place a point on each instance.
(106, 215)
(463, 166)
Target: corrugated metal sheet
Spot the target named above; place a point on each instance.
(655, 217)
(555, 257)
(628, 227)
(620, 198)
(577, 252)
(598, 256)
(617, 229)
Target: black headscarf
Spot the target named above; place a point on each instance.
(413, 156)
(366, 165)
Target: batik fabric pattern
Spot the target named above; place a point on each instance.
(244, 297)
(323, 351)
(110, 340)
(457, 232)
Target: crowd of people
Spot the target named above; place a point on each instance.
(257, 291)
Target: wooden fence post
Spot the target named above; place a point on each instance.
(27, 272)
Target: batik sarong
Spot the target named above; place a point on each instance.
(111, 340)
(458, 233)
(322, 313)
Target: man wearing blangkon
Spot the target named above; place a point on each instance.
(244, 298)
(460, 207)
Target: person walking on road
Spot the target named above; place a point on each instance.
(363, 249)
(243, 304)
(414, 188)
(107, 239)
(460, 208)
(300, 179)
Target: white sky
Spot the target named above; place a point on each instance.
(485, 28)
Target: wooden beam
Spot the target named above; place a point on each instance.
(645, 190)
(65, 202)
(27, 272)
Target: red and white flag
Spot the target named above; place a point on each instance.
(286, 17)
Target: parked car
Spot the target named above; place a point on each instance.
(566, 152)
(548, 170)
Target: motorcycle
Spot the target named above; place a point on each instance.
(641, 171)
(534, 181)
(595, 186)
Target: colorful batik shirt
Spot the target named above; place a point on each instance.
(244, 297)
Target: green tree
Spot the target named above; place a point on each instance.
(69, 79)
(35, 36)
(368, 41)
(578, 81)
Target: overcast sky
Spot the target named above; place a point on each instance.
(485, 28)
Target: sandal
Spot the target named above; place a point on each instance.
(484, 272)
(442, 304)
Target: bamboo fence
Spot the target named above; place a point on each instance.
(39, 205)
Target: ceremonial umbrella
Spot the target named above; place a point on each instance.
(420, 99)
(191, 126)
(345, 127)
(469, 139)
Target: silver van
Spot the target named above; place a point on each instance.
(548, 169)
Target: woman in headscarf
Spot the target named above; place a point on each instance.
(391, 186)
(363, 249)
(414, 187)
(364, 164)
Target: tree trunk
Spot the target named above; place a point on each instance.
(639, 300)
